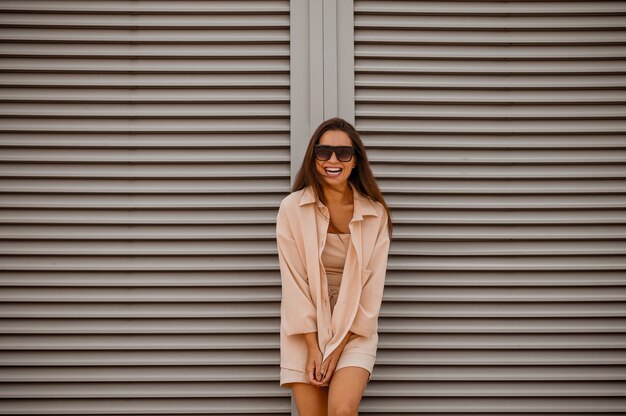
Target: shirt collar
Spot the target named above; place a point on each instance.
(362, 204)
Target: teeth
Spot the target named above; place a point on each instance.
(333, 169)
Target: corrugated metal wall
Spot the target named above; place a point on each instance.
(145, 147)
(496, 130)
(145, 150)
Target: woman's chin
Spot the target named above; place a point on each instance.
(334, 180)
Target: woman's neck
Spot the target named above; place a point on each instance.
(334, 196)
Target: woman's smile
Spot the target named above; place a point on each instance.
(333, 171)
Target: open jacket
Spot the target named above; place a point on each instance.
(301, 228)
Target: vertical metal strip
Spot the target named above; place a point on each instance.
(322, 68)
(329, 34)
(345, 60)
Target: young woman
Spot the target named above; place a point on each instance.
(333, 233)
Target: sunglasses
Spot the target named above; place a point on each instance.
(343, 153)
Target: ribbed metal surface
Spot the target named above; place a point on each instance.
(145, 149)
(496, 130)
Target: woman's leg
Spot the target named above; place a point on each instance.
(310, 400)
(346, 390)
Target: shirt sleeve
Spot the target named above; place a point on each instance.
(366, 320)
(298, 312)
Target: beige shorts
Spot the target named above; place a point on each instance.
(348, 359)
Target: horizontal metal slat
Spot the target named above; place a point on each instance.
(403, 96)
(493, 36)
(487, 341)
(159, 390)
(391, 309)
(503, 278)
(165, 295)
(509, 263)
(506, 202)
(463, 141)
(247, 341)
(54, 362)
(208, 185)
(247, 372)
(264, 122)
(166, 96)
(519, 166)
(489, 294)
(477, 389)
(455, 124)
(542, 325)
(151, 310)
(501, 405)
(162, 20)
(122, 7)
(477, 186)
(494, 65)
(545, 158)
(257, 326)
(485, 21)
(585, 245)
(154, 66)
(232, 81)
(120, 51)
(123, 112)
(121, 406)
(492, 83)
(485, 110)
(487, 8)
(103, 141)
(145, 36)
(117, 158)
(161, 217)
(223, 168)
(477, 53)
(475, 366)
(251, 200)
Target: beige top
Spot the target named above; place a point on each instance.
(333, 259)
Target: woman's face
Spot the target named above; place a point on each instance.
(335, 138)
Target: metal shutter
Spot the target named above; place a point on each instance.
(496, 130)
(145, 150)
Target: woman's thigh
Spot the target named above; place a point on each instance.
(310, 400)
(346, 390)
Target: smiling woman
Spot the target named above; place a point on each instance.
(333, 233)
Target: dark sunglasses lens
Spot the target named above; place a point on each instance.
(344, 155)
(322, 153)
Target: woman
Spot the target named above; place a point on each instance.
(333, 233)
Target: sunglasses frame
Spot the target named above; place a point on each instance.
(333, 149)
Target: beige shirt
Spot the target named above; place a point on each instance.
(301, 228)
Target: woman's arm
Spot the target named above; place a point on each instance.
(298, 312)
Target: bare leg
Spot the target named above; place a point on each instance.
(310, 400)
(346, 390)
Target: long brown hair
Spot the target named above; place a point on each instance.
(361, 177)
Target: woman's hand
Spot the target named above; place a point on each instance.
(329, 365)
(314, 366)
